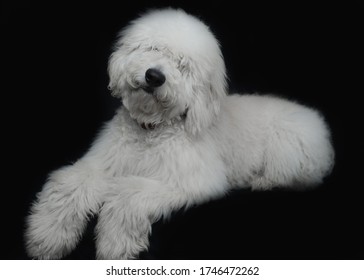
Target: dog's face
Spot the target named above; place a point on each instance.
(166, 67)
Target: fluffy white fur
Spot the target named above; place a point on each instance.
(183, 144)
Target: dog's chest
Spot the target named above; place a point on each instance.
(148, 155)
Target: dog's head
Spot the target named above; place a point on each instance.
(167, 66)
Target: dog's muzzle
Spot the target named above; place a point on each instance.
(154, 78)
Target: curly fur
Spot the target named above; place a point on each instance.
(183, 144)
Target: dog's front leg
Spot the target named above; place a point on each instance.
(61, 211)
(128, 212)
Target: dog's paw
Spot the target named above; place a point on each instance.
(45, 239)
(122, 230)
(121, 249)
(42, 247)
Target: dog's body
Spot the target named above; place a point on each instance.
(177, 141)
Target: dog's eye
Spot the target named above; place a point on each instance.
(182, 64)
(154, 48)
(133, 49)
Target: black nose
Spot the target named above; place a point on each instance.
(154, 77)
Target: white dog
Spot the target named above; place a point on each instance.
(178, 140)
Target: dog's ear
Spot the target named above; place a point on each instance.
(115, 70)
(208, 93)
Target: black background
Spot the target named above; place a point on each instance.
(54, 98)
